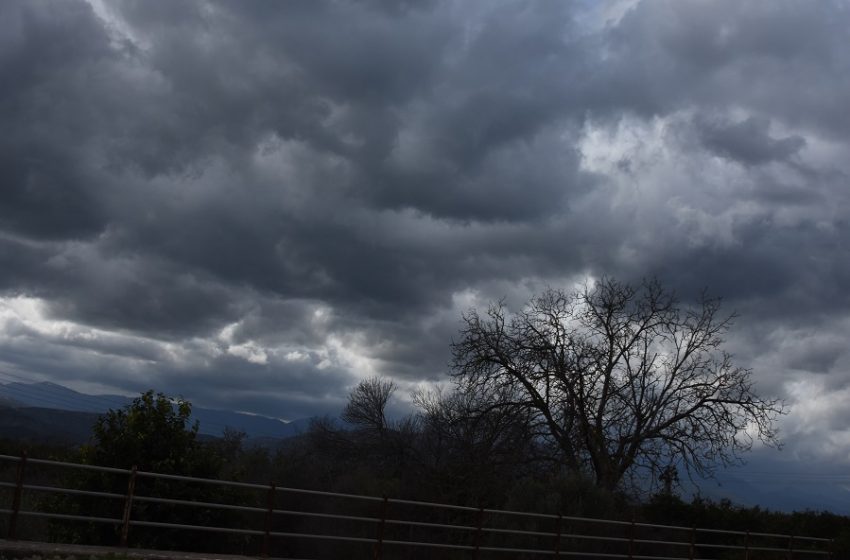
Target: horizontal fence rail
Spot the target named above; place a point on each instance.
(280, 519)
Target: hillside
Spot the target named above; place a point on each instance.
(48, 412)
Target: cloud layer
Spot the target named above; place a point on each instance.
(256, 204)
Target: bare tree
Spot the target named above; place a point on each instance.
(367, 403)
(619, 379)
(462, 421)
(466, 455)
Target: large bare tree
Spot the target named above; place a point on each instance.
(619, 378)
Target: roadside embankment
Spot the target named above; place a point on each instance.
(28, 550)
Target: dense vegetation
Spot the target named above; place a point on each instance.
(439, 455)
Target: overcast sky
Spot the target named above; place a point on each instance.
(256, 204)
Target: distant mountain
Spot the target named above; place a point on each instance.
(51, 396)
(46, 425)
(784, 486)
(6, 402)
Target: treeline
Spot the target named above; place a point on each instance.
(442, 454)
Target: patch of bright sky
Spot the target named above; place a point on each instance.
(22, 313)
(248, 350)
(814, 407)
(594, 15)
(350, 351)
(25, 318)
(653, 176)
(28, 318)
(118, 29)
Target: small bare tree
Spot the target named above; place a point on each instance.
(619, 379)
(367, 403)
(469, 452)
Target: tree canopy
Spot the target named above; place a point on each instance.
(153, 433)
(619, 379)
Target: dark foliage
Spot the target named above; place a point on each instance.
(448, 453)
(152, 434)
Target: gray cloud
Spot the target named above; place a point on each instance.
(748, 142)
(255, 204)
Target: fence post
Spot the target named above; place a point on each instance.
(128, 506)
(558, 541)
(632, 538)
(478, 531)
(831, 549)
(16, 497)
(379, 545)
(747, 546)
(693, 543)
(791, 547)
(269, 512)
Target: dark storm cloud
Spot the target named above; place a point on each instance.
(267, 201)
(44, 57)
(83, 283)
(46, 199)
(281, 389)
(772, 57)
(748, 141)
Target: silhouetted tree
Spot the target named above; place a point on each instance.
(367, 403)
(467, 453)
(619, 378)
(154, 434)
